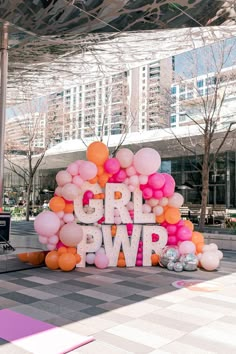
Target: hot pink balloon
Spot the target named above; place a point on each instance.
(147, 193)
(47, 223)
(184, 233)
(157, 194)
(120, 176)
(156, 180)
(112, 166)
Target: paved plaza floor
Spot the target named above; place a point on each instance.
(129, 310)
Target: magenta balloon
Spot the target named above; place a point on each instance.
(171, 229)
(101, 261)
(184, 233)
(147, 193)
(120, 176)
(112, 166)
(172, 240)
(47, 223)
(147, 161)
(157, 194)
(156, 180)
(88, 194)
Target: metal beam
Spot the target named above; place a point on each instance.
(3, 91)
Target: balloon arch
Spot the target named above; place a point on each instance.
(120, 212)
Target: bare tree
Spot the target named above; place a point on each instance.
(30, 131)
(205, 89)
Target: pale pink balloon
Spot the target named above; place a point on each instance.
(53, 239)
(68, 217)
(176, 200)
(43, 239)
(60, 214)
(210, 260)
(79, 162)
(130, 206)
(158, 210)
(146, 208)
(147, 161)
(47, 223)
(63, 177)
(130, 171)
(58, 191)
(51, 247)
(117, 220)
(70, 191)
(88, 170)
(125, 157)
(90, 257)
(73, 169)
(71, 234)
(152, 202)
(163, 201)
(78, 181)
(143, 179)
(187, 247)
(134, 180)
(101, 261)
(131, 188)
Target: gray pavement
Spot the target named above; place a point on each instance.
(129, 310)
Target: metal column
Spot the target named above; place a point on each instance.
(3, 91)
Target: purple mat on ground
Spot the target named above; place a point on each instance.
(36, 336)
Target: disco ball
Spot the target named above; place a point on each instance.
(189, 261)
(178, 267)
(169, 254)
(170, 265)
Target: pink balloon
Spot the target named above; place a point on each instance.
(60, 244)
(53, 239)
(187, 247)
(139, 263)
(134, 180)
(143, 179)
(71, 234)
(89, 194)
(47, 223)
(58, 191)
(43, 240)
(130, 171)
(101, 261)
(125, 157)
(172, 240)
(63, 177)
(88, 170)
(147, 161)
(120, 176)
(51, 246)
(156, 180)
(210, 260)
(184, 233)
(68, 217)
(70, 191)
(147, 193)
(112, 166)
(78, 181)
(157, 194)
(73, 169)
(169, 186)
(171, 229)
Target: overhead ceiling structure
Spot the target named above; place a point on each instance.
(57, 43)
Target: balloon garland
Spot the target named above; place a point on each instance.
(63, 234)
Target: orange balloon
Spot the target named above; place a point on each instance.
(51, 260)
(36, 258)
(102, 180)
(96, 196)
(172, 215)
(189, 224)
(57, 204)
(155, 259)
(160, 218)
(197, 237)
(93, 180)
(69, 208)
(97, 152)
(100, 171)
(61, 250)
(67, 262)
(72, 250)
(23, 257)
(77, 258)
(199, 247)
(118, 195)
(121, 255)
(102, 196)
(121, 263)
(113, 230)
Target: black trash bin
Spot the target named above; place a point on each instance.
(5, 227)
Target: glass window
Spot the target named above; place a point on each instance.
(200, 83)
(173, 119)
(173, 90)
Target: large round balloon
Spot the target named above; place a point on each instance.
(47, 223)
(125, 157)
(67, 262)
(147, 161)
(51, 260)
(71, 234)
(97, 152)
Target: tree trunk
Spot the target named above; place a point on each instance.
(205, 188)
(28, 199)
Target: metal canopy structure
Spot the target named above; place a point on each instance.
(54, 43)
